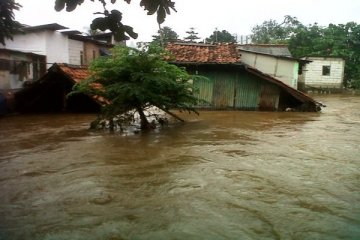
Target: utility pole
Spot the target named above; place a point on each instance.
(216, 35)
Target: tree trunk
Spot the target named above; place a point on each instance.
(144, 123)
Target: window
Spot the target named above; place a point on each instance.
(81, 58)
(326, 70)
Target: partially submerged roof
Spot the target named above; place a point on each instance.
(227, 55)
(292, 91)
(50, 92)
(74, 72)
(204, 53)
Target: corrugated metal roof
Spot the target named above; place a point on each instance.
(204, 53)
(295, 93)
(51, 26)
(272, 49)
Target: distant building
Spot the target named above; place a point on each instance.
(323, 73)
(17, 68)
(27, 56)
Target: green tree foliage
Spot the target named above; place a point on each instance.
(111, 20)
(192, 35)
(342, 40)
(8, 25)
(270, 32)
(133, 80)
(165, 35)
(221, 36)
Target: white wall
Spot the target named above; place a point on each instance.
(52, 44)
(56, 48)
(75, 49)
(282, 69)
(313, 72)
(29, 42)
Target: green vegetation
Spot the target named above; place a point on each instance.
(192, 36)
(342, 40)
(221, 36)
(111, 20)
(132, 81)
(165, 35)
(8, 25)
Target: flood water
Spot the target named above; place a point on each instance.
(222, 175)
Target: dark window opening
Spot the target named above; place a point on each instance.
(326, 70)
(81, 58)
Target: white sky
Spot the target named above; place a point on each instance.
(235, 16)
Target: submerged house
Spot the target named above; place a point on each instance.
(234, 85)
(273, 59)
(49, 93)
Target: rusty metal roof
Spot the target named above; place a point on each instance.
(204, 53)
(292, 91)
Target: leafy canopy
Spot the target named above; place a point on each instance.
(165, 35)
(342, 40)
(191, 35)
(134, 79)
(8, 25)
(111, 20)
(221, 36)
(271, 32)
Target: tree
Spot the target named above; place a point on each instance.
(192, 35)
(8, 25)
(221, 36)
(165, 35)
(341, 40)
(273, 32)
(132, 80)
(111, 20)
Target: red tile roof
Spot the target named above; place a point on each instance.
(76, 73)
(204, 53)
(79, 73)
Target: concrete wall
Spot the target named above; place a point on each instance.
(286, 70)
(52, 44)
(57, 46)
(76, 52)
(30, 42)
(91, 50)
(313, 74)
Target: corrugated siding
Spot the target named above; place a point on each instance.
(223, 92)
(248, 89)
(269, 98)
(204, 89)
(237, 90)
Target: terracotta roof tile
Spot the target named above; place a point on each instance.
(77, 73)
(204, 53)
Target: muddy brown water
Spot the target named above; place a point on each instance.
(222, 175)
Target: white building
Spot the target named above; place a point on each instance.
(324, 72)
(55, 43)
(274, 60)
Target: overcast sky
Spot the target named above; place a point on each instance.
(235, 16)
